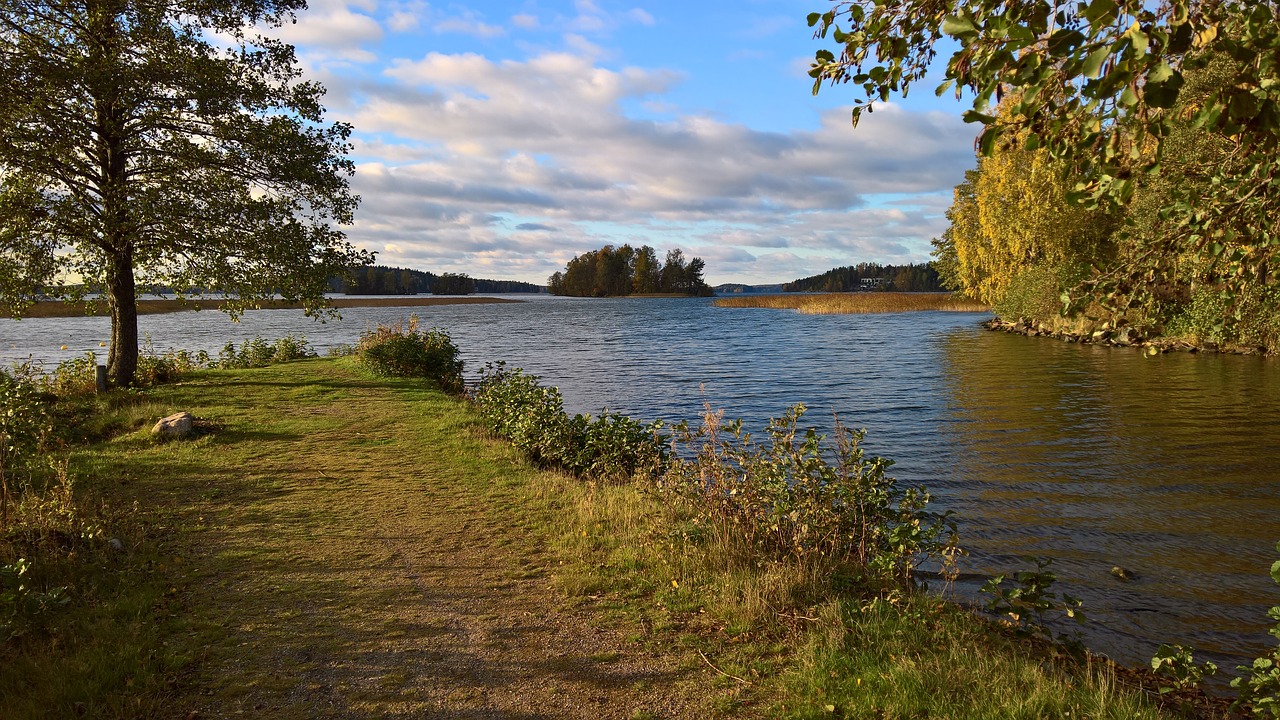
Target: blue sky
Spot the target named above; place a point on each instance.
(500, 139)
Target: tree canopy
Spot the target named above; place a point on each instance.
(891, 278)
(138, 150)
(1098, 87)
(614, 271)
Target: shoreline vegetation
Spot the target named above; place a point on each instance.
(183, 576)
(857, 302)
(57, 308)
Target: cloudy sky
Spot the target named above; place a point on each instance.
(500, 139)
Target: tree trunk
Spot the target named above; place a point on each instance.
(122, 297)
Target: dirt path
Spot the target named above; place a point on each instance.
(352, 563)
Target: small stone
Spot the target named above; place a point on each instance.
(177, 425)
(116, 544)
(1121, 574)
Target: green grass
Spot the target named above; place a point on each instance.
(256, 553)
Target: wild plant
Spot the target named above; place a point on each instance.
(797, 498)
(1259, 687)
(531, 416)
(21, 604)
(402, 350)
(1027, 605)
(24, 430)
(75, 376)
(1177, 664)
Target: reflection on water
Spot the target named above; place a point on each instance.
(1096, 457)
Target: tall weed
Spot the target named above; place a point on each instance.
(797, 498)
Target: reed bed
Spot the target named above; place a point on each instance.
(862, 302)
(54, 308)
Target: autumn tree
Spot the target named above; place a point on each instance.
(164, 144)
(1097, 85)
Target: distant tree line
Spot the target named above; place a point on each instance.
(890, 278)
(610, 272)
(383, 280)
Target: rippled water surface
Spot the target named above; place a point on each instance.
(1168, 466)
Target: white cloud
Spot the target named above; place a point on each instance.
(507, 168)
(525, 21)
(332, 29)
(638, 15)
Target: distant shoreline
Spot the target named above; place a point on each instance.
(55, 308)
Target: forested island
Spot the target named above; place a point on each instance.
(871, 276)
(617, 271)
(383, 280)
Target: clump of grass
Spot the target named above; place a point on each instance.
(849, 303)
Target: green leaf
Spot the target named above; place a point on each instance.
(957, 26)
(814, 18)
(945, 86)
(1093, 64)
(987, 143)
(972, 116)
(1160, 73)
(1099, 12)
(1275, 571)
(1139, 40)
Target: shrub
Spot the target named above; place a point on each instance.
(795, 498)
(404, 351)
(609, 447)
(24, 430)
(76, 376)
(258, 353)
(21, 605)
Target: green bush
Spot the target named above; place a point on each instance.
(404, 351)
(795, 498)
(609, 447)
(24, 430)
(258, 352)
(22, 605)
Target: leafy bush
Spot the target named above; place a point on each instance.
(24, 429)
(76, 376)
(1177, 664)
(404, 351)
(609, 447)
(258, 352)
(796, 498)
(1259, 687)
(21, 605)
(1027, 605)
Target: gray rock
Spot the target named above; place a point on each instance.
(116, 544)
(177, 425)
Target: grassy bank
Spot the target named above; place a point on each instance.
(155, 307)
(845, 303)
(337, 545)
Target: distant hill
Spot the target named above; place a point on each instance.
(871, 276)
(740, 289)
(383, 280)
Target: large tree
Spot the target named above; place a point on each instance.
(164, 143)
(1097, 85)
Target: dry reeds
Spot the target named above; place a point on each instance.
(862, 302)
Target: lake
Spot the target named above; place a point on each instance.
(1095, 457)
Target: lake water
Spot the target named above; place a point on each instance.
(1168, 466)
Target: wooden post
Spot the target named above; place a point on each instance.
(102, 378)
